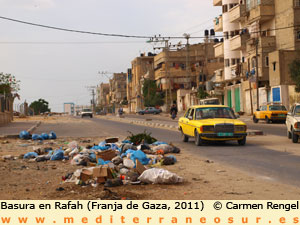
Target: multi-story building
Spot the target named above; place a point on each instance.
(102, 91)
(178, 72)
(260, 40)
(141, 68)
(117, 88)
(69, 108)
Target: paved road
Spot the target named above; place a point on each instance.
(251, 158)
(274, 129)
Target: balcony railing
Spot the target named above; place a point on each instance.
(265, 44)
(217, 2)
(219, 50)
(261, 13)
(218, 21)
(237, 13)
(238, 42)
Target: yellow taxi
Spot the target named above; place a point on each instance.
(270, 112)
(212, 123)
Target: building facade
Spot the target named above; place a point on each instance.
(102, 92)
(117, 90)
(260, 39)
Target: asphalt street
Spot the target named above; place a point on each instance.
(252, 158)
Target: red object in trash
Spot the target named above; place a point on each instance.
(122, 177)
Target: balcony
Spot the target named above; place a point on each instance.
(237, 13)
(218, 21)
(265, 44)
(217, 2)
(261, 13)
(219, 50)
(238, 42)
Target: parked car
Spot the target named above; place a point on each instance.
(149, 110)
(86, 112)
(212, 123)
(293, 123)
(270, 112)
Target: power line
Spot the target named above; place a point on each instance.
(69, 42)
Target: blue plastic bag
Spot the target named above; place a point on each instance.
(159, 143)
(102, 162)
(45, 136)
(92, 157)
(103, 143)
(30, 155)
(57, 155)
(36, 137)
(24, 135)
(141, 156)
(126, 142)
(102, 148)
(52, 135)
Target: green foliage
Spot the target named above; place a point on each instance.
(8, 83)
(152, 98)
(201, 93)
(295, 73)
(141, 137)
(40, 106)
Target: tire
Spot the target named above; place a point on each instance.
(255, 120)
(242, 142)
(184, 138)
(155, 113)
(91, 116)
(295, 137)
(289, 134)
(198, 140)
(268, 120)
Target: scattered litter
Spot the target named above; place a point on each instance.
(159, 176)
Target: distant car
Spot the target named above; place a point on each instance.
(149, 110)
(270, 112)
(86, 112)
(212, 123)
(293, 123)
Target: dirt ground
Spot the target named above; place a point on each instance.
(204, 179)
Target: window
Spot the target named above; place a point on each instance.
(232, 62)
(187, 113)
(226, 35)
(297, 3)
(225, 8)
(192, 113)
(274, 66)
(227, 63)
(298, 33)
(267, 61)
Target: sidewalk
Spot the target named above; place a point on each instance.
(13, 129)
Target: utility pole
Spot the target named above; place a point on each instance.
(187, 36)
(92, 89)
(257, 82)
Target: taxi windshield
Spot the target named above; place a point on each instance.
(214, 112)
(277, 108)
(297, 110)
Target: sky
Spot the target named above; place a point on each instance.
(59, 66)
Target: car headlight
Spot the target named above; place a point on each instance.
(240, 128)
(208, 129)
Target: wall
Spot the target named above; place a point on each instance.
(6, 116)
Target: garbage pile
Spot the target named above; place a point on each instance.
(25, 135)
(115, 163)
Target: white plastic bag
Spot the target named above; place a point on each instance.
(159, 176)
(128, 163)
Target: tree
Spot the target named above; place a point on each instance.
(40, 106)
(152, 98)
(9, 84)
(201, 93)
(295, 73)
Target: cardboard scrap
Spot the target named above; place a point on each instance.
(107, 155)
(112, 140)
(140, 168)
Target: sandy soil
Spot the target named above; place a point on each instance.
(203, 179)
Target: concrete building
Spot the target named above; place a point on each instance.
(261, 39)
(102, 92)
(141, 68)
(117, 90)
(69, 108)
(6, 109)
(179, 72)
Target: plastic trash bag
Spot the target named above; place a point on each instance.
(165, 147)
(159, 143)
(102, 162)
(103, 143)
(102, 148)
(57, 155)
(24, 135)
(159, 176)
(128, 163)
(141, 156)
(45, 136)
(73, 145)
(52, 135)
(30, 155)
(36, 137)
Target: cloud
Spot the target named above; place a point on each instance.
(29, 4)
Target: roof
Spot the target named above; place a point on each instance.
(207, 106)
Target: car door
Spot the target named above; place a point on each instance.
(184, 122)
(190, 123)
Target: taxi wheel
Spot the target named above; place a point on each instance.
(184, 138)
(242, 142)
(268, 120)
(295, 137)
(198, 140)
(255, 120)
